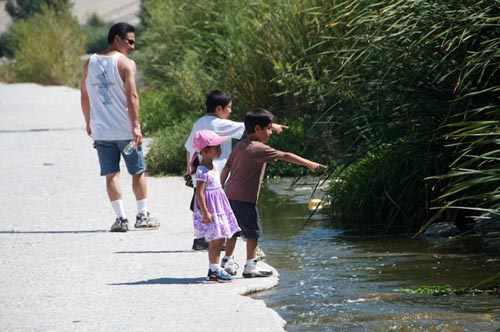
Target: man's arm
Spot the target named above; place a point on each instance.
(84, 99)
(129, 72)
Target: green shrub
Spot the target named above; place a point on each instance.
(48, 48)
(167, 155)
(6, 49)
(7, 73)
(154, 111)
(96, 31)
(384, 192)
(163, 108)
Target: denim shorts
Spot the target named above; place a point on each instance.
(248, 218)
(109, 153)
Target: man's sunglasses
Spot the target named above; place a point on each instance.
(130, 41)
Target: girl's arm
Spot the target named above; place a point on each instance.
(200, 197)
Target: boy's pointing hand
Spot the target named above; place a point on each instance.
(278, 128)
(316, 166)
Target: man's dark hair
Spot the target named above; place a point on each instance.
(257, 117)
(216, 98)
(119, 29)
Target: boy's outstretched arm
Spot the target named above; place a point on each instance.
(278, 128)
(294, 159)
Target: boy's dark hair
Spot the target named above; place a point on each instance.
(119, 29)
(216, 98)
(257, 117)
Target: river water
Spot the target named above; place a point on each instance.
(333, 282)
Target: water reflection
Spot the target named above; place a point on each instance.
(331, 282)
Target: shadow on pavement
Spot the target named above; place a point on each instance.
(55, 232)
(164, 281)
(155, 252)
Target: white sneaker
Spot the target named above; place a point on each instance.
(230, 266)
(120, 225)
(219, 275)
(146, 221)
(253, 270)
(260, 254)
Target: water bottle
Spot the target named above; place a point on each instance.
(129, 148)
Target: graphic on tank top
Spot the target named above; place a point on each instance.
(104, 88)
(104, 84)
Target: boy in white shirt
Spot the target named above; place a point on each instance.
(218, 104)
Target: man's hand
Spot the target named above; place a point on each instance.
(89, 131)
(137, 136)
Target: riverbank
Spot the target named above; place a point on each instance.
(61, 268)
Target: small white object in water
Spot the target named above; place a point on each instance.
(316, 204)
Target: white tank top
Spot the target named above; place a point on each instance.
(108, 105)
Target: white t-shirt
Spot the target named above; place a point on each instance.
(108, 105)
(221, 127)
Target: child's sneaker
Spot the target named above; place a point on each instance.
(219, 275)
(120, 225)
(230, 266)
(260, 254)
(253, 270)
(144, 220)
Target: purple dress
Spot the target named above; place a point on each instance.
(224, 223)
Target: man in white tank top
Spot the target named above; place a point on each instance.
(110, 105)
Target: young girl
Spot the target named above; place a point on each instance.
(213, 218)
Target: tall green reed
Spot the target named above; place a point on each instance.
(394, 95)
(396, 84)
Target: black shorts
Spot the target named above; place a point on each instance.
(248, 218)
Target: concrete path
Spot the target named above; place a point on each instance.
(60, 268)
